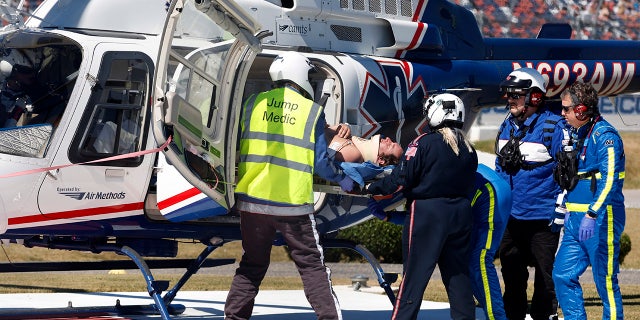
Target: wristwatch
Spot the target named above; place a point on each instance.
(592, 214)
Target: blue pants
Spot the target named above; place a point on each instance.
(485, 241)
(491, 206)
(601, 252)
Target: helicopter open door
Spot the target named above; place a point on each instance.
(207, 50)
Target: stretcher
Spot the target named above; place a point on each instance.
(361, 173)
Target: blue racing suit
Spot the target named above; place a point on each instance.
(491, 206)
(601, 162)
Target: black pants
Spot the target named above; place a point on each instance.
(528, 243)
(436, 231)
(258, 233)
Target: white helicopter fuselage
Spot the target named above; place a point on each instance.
(131, 82)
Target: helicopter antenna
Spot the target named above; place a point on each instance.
(612, 99)
(465, 89)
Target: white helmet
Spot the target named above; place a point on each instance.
(18, 58)
(444, 109)
(523, 80)
(294, 67)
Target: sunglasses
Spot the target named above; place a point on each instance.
(514, 96)
(567, 109)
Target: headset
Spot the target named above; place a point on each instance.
(581, 112)
(535, 98)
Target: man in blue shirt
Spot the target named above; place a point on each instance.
(526, 145)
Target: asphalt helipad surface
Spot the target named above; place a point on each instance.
(369, 304)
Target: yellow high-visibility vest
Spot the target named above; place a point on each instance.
(277, 147)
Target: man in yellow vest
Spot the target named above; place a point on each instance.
(282, 145)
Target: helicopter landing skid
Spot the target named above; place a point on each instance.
(384, 279)
(162, 304)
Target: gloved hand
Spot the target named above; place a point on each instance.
(376, 209)
(587, 228)
(347, 184)
(557, 220)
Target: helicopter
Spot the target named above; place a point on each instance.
(129, 142)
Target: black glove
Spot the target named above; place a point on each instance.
(376, 209)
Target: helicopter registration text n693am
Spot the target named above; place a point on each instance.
(126, 137)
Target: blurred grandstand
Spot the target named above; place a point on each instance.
(589, 19)
(26, 5)
(595, 19)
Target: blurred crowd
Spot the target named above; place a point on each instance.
(590, 19)
(27, 5)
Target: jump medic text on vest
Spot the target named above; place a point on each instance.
(285, 118)
(282, 105)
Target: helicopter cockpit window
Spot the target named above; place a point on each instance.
(37, 74)
(115, 123)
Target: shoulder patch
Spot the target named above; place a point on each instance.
(608, 142)
(411, 151)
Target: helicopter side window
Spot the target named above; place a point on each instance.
(116, 130)
(118, 113)
(196, 81)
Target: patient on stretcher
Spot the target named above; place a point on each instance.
(360, 158)
(376, 150)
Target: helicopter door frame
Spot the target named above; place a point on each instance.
(202, 127)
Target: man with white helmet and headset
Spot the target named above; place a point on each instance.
(436, 176)
(526, 147)
(282, 145)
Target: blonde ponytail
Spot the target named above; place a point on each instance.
(451, 136)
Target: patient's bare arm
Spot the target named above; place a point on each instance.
(344, 149)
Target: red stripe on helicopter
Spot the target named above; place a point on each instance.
(77, 213)
(415, 41)
(178, 198)
(417, 17)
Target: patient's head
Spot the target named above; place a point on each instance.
(389, 152)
